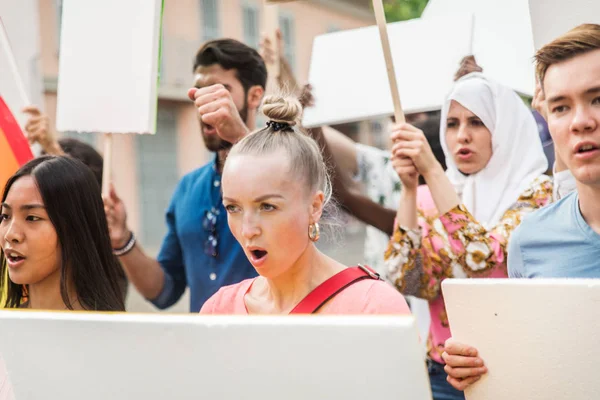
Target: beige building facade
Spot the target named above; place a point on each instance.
(147, 168)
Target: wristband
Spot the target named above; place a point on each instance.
(127, 248)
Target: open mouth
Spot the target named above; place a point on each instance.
(13, 257)
(464, 154)
(258, 254)
(586, 148)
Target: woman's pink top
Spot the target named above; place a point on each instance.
(364, 297)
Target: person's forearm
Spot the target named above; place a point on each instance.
(406, 215)
(286, 80)
(144, 272)
(443, 193)
(343, 151)
(337, 179)
(355, 203)
(368, 211)
(53, 149)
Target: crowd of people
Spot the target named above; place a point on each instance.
(242, 229)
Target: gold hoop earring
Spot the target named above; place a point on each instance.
(314, 232)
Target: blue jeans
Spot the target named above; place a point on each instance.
(440, 388)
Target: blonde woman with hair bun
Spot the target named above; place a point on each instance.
(275, 188)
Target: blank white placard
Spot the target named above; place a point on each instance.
(538, 338)
(551, 19)
(348, 71)
(92, 356)
(22, 25)
(502, 39)
(108, 67)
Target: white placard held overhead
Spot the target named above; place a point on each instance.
(21, 84)
(348, 71)
(108, 67)
(502, 39)
(95, 356)
(537, 337)
(551, 19)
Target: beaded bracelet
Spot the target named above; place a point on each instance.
(127, 248)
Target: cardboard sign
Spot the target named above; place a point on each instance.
(108, 67)
(551, 19)
(502, 39)
(95, 356)
(6, 391)
(348, 71)
(21, 82)
(537, 337)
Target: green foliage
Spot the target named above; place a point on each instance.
(401, 10)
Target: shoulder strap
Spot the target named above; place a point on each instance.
(332, 286)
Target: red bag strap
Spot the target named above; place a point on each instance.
(332, 286)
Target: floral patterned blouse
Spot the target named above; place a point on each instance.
(453, 245)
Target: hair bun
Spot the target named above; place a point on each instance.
(285, 110)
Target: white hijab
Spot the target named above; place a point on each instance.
(517, 153)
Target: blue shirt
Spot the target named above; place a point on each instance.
(182, 255)
(555, 242)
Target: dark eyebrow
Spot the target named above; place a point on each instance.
(32, 207)
(558, 98)
(25, 207)
(268, 196)
(258, 199)
(593, 90)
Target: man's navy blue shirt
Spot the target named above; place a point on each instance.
(182, 256)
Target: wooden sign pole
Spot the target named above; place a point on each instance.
(107, 163)
(389, 62)
(270, 26)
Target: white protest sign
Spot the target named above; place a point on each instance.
(537, 337)
(348, 70)
(551, 19)
(502, 39)
(6, 391)
(21, 82)
(108, 67)
(95, 356)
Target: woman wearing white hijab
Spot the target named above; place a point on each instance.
(458, 225)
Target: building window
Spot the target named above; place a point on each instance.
(161, 60)
(158, 175)
(251, 27)
(286, 25)
(59, 8)
(210, 19)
